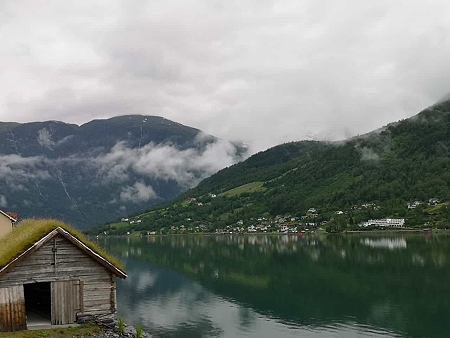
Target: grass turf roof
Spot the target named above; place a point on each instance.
(29, 231)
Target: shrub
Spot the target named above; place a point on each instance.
(121, 325)
(139, 332)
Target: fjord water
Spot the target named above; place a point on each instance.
(286, 286)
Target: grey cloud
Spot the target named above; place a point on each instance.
(160, 162)
(114, 165)
(15, 168)
(18, 187)
(3, 202)
(27, 203)
(165, 162)
(44, 139)
(368, 154)
(265, 71)
(139, 192)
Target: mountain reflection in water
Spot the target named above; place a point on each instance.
(285, 286)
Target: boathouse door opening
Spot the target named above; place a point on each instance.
(38, 303)
(52, 303)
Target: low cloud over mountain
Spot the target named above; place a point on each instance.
(106, 168)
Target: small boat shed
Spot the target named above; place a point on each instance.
(50, 271)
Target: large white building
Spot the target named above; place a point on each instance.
(387, 222)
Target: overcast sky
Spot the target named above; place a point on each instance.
(261, 71)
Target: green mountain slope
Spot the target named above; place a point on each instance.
(384, 170)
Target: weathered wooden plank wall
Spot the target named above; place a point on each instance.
(65, 301)
(12, 309)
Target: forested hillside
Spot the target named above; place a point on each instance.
(382, 171)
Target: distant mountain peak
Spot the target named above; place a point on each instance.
(105, 168)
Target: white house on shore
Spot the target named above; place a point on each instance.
(387, 222)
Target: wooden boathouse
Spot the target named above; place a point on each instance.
(50, 271)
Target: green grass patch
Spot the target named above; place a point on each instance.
(121, 225)
(436, 208)
(225, 216)
(86, 330)
(139, 332)
(121, 325)
(246, 188)
(282, 175)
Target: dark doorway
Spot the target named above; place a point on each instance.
(38, 300)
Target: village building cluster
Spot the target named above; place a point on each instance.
(431, 202)
(330, 221)
(387, 222)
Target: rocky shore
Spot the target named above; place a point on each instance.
(129, 332)
(112, 328)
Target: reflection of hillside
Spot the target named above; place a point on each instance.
(165, 301)
(315, 281)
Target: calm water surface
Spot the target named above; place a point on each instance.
(286, 286)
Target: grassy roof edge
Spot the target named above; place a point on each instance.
(31, 230)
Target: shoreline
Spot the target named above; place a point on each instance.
(299, 234)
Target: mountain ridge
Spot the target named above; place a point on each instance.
(104, 168)
(405, 161)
